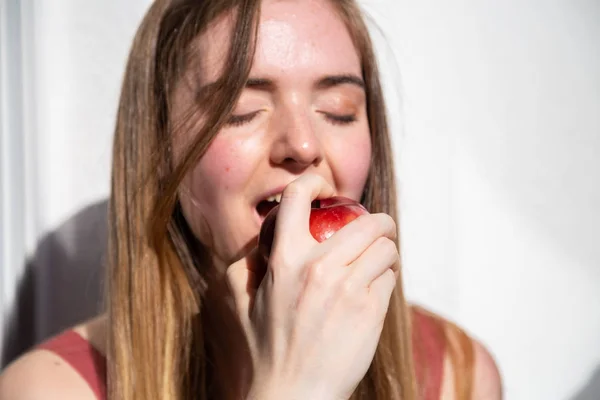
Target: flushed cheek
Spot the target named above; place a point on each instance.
(216, 186)
(227, 165)
(350, 163)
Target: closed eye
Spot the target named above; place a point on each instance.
(238, 120)
(336, 119)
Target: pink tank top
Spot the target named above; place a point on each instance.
(428, 347)
(83, 357)
(429, 350)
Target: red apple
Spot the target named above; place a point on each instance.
(327, 216)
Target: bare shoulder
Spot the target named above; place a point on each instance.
(41, 374)
(487, 382)
(470, 371)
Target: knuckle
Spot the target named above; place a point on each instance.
(369, 224)
(351, 294)
(349, 289)
(391, 276)
(280, 261)
(391, 281)
(300, 185)
(388, 248)
(378, 225)
(388, 225)
(392, 227)
(292, 190)
(315, 274)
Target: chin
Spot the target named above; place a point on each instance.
(234, 250)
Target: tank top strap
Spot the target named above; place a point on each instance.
(428, 337)
(83, 358)
(429, 349)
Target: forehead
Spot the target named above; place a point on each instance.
(303, 38)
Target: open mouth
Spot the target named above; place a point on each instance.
(265, 206)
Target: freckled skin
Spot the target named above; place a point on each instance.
(299, 42)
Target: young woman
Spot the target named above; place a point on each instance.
(227, 108)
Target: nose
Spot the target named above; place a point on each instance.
(296, 144)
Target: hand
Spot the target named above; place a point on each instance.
(313, 322)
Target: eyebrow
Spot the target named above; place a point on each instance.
(336, 80)
(325, 82)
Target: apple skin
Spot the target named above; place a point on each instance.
(327, 216)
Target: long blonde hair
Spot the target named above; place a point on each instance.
(159, 344)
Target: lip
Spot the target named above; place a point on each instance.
(264, 196)
(270, 193)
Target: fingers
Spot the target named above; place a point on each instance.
(347, 244)
(244, 277)
(382, 288)
(381, 256)
(294, 209)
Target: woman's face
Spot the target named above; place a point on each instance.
(302, 111)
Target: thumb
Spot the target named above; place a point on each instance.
(244, 277)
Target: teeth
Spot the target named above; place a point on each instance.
(276, 198)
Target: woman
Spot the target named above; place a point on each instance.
(228, 107)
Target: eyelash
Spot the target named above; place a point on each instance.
(239, 120)
(341, 119)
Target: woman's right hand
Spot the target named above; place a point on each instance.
(314, 321)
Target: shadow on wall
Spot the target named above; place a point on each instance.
(63, 282)
(591, 390)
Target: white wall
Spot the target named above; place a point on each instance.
(78, 53)
(497, 142)
(502, 180)
(56, 155)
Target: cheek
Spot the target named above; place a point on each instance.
(225, 167)
(350, 163)
(212, 190)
